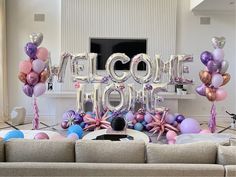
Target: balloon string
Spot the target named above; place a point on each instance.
(212, 121)
(36, 115)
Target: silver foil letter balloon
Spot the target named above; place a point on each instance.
(97, 97)
(80, 97)
(62, 67)
(77, 68)
(94, 77)
(106, 97)
(134, 68)
(159, 69)
(110, 67)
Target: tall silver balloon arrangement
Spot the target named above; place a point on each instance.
(33, 72)
(214, 77)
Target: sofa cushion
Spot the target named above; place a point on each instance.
(230, 170)
(110, 169)
(110, 151)
(2, 154)
(25, 150)
(196, 153)
(227, 155)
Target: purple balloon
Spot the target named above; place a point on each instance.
(170, 118)
(64, 125)
(32, 78)
(31, 50)
(129, 116)
(206, 57)
(148, 117)
(190, 125)
(68, 114)
(38, 66)
(78, 118)
(39, 89)
(28, 90)
(212, 66)
(201, 90)
(179, 118)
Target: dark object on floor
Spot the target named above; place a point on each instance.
(118, 123)
(233, 124)
(113, 137)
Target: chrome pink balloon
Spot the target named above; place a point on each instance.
(220, 94)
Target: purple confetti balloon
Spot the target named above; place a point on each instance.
(206, 57)
(32, 78)
(28, 90)
(68, 114)
(31, 50)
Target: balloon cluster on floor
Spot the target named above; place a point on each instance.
(33, 72)
(214, 77)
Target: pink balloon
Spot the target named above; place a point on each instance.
(171, 135)
(32, 78)
(42, 53)
(220, 94)
(38, 66)
(205, 131)
(217, 80)
(171, 142)
(39, 89)
(73, 136)
(25, 66)
(41, 136)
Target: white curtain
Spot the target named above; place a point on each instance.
(3, 64)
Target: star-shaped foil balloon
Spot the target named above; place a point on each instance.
(99, 122)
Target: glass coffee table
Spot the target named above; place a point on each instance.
(135, 135)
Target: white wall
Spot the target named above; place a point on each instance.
(195, 38)
(154, 20)
(20, 23)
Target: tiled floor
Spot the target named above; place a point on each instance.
(47, 125)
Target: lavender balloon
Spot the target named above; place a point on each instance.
(39, 89)
(212, 66)
(38, 66)
(201, 90)
(148, 117)
(190, 125)
(218, 55)
(217, 80)
(170, 118)
(129, 116)
(30, 50)
(206, 57)
(28, 90)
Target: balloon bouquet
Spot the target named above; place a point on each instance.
(33, 72)
(214, 77)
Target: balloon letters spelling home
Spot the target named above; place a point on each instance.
(214, 77)
(152, 82)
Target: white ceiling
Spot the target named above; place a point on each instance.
(216, 5)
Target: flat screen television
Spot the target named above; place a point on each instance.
(106, 47)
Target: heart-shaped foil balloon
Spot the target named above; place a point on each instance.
(211, 94)
(36, 38)
(205, 77)
(218, 42)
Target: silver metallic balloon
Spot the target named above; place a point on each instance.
(106, 97)
(173, 68)
(134, 68)
(157, 99)
(224, 67)
(97, 97)
(147, 99)
(77, 68)
(159, 69)
(36, 38)
(110, 67)
(93, 76)
(80, 97)
(130, 95)
(218, 42)
(62, 67)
